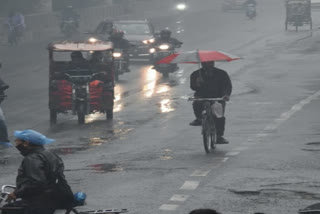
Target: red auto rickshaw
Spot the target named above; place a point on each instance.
(81, 79)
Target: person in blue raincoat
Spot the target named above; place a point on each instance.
(35, 180)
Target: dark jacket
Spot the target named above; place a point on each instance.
(120, 43)
(35, 177)
(216, 86)
(172, 41)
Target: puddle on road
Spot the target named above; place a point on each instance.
(106, 167)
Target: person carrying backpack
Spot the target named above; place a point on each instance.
(41, 187)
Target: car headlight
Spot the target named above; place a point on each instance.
(145, 41)
(164, 47)
(92, 40)
(117, 55)
(181, 6)
(152, 40)
(152, 50)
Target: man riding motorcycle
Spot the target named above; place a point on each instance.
(210, 82)
(165, 38)
(69, 13)
(119, 42)
(38, 177)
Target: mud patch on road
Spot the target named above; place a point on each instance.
(106, 168)
(278, 193)
(69, 149)
(313, 143)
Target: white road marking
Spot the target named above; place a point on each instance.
(180, 198)
(190, 185)
(169, 207)
(200, 173)
(294, 109)
(232, 154)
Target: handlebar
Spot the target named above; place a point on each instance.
(205, 99)
(4, 187)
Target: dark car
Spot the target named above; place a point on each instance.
(140, 34)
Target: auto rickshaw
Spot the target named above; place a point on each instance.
(298, 13)
(82, 84)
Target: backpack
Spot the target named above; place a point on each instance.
(61, 191)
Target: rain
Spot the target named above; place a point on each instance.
(166, 106)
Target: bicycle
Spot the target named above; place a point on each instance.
(4, 193)
(210, 113)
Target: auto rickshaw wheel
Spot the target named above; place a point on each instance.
(53, 117)
(109, 114)
(81, 114)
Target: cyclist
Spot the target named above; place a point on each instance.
(210, 82)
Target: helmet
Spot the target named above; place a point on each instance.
(165, 34)
(118, 33)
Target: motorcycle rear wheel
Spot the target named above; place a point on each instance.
(81, 114)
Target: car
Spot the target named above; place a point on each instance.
(233, 5)
(315, 4)
(140, 34)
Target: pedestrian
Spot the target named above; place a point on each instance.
(4, 139)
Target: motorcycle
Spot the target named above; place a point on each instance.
(80, 93)
(120, 64)
(7, 189)
(69, 27)
(251, 11)
(160, 52)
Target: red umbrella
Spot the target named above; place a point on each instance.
(198, 57)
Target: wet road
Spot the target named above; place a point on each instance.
(150, 161)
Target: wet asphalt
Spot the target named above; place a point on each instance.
(150, 161)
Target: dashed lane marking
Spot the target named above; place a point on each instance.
(179, 198)
(190, 185)
(200, 173)
(232, 154)
(169, 207)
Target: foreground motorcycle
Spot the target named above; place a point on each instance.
(120, 64)
(251, 11)
(79, 200)
(160, 52)
(69, 27)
